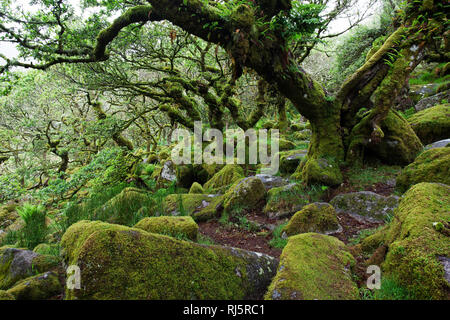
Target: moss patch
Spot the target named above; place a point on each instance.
(432, 165)
(122, 208)
(432, 124)
(40, 287)
(6, 296)
(201, 207)
(415, 246)
(284, 201)
(244, 195)
(314, 266)
(8, 215)
(290, 160)
(399, 145)
(196, 188)
(221, 181)
(117, 262)
(17, 264)
(171, 226)
(316, 217)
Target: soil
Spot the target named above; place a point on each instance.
(383, 189)
(351, 227)
(237, 237)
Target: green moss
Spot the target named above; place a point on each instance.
(374, 241)
(325, 151)
(221, 181)
(46, 249)
(201, 207)
(414, 246)
(127, 263)
(314, 266)
(122, 208)
(432, 124)
(399, 144)
(290, 160)
(432, 165)
(196, 188)
(17, 264)
(243, 16)
(8, 215)
(302, 135)
(40, 287)
(285, 145)
(286, 200)
(319, 171)
(171, 226)
(45, 262)
(244, 195)
(316, 217)
(6, 296)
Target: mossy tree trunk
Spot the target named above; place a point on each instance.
(378, 82)
(335, 130)
(338, 127)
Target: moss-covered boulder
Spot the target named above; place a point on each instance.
(244, 195)
(290, 160)
(303, 135)
(118, 262)
(432, 124)
(314, 266)
(399, 143)
(189, 173)
(17, 264)
(196, 188)
(319, 217)
(285, 201)
(122, 208)
(167, 175)
(222, 180)
(46, 248)
(270, 181)
(417, 246)
(201, 207)
(6, 296)
(171, 226)
(432, 101)
(8, 215)
(319, 171)
(285, 145)
(365, 205)
(298, 126)
(39, 287)
(431, 166)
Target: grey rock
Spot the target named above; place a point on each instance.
(446, 264)
(289, 164)
(270, 181)
(438, 144)
(168, 171)
(418, 92)
(431, 101)
(20, 265)
(365, 205)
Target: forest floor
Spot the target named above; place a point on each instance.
(255, 233)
